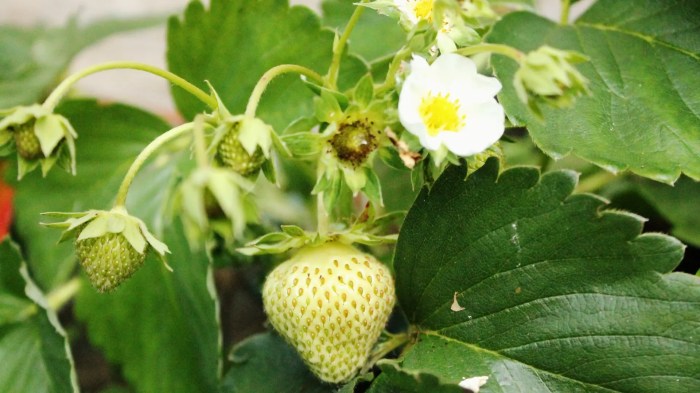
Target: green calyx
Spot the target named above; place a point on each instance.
(40, 138)
(111, 245)
(547, 76)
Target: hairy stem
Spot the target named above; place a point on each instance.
(141, 158)
(339, 46)
(271, 74)
(390, 79)
(594, 182)
(499, 49)
(67, 83)
(57, 298)
(383, 349)
(565, 8)
(200, 148)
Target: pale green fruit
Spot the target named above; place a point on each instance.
(331, 303)
(108, 260)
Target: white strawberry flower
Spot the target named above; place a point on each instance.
(448, 105)
(415, 11)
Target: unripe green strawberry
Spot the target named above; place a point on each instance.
(27, 143)
(231, 153)
(331, 303)
(108, 260)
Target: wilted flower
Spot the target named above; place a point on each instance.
(209, 188)
(40, 137)
(449, 105)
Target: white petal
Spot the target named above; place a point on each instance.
(484, 127)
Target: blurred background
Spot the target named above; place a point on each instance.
(145, 45)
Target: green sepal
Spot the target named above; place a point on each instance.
(227, 189)
(49, 128)
(303, 144)
(363, 92)
(98, 223)
(327, 108)
(373, 187)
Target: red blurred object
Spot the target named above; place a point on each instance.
(6, 193)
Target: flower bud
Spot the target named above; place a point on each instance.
(547, 75)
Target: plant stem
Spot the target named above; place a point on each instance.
(200, 148)
(499, 49)
(268, 76)
(564, 17)
(339, 46)
(322, 219)
(385, 348)
(595, 181)
(390, 79)
(57, 298)
(141, 158)
(67, 83)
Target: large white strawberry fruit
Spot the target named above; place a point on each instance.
(331, 303)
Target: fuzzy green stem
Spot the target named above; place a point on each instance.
(200, 146)
(565, 8)
(339, 46)
(271, 74)
(322, 217)
(141, 158)
(499, 49)
(57, 298)
(385, 348)
(390, 79)
(595, 181)
(63, 88)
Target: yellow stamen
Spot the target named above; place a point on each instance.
(440, 113)
(423, 9)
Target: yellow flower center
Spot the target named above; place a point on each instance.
(440, 113)
(423, 9)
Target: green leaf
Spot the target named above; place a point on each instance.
(161, 327)
(552, 292)
(264, 363)
(678, 204)
(394, 379)
(235, 42)
(109, 139)
(34, 352)
(374, 37)
(644, 111)
(32, 60)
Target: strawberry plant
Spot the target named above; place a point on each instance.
(392, 196)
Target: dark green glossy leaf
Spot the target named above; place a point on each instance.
(643, 114)
(34, 352)
(161, 327)
(553, 293)
(394, 379)
(264, 363)
(233, 43)
(374, 37)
